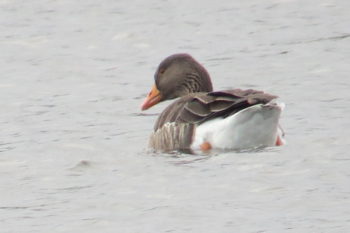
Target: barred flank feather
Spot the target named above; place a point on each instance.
(172, 136)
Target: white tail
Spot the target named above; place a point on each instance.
(252, 127)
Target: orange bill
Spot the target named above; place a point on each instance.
(152, 98)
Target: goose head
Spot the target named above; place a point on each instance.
(176, 76)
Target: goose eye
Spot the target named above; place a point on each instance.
(161, 71)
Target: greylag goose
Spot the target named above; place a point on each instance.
(203, 119)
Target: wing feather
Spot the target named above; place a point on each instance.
(199, 107)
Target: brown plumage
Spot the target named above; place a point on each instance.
(181, 76)
(198, 107)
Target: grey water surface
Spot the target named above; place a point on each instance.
(73, 141)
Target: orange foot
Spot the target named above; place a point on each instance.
(279, 141)
(205, 146)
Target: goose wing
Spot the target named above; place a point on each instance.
(199, 107)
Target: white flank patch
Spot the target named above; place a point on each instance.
(252, 127)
